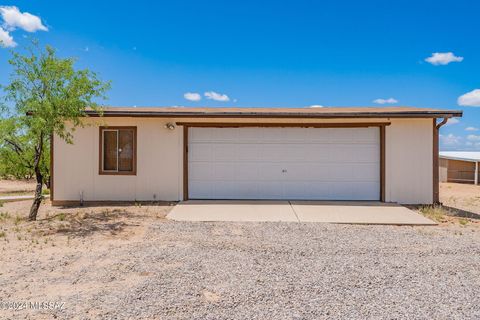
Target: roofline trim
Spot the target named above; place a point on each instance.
(458, 158)
(173, 114)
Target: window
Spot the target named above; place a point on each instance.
(118, 150)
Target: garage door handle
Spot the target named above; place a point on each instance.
(284, 170)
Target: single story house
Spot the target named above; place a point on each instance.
(150, 154)
(459, 166)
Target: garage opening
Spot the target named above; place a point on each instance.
(284, 163)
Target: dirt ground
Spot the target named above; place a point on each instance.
(59, 225)
(47, 259)
(60, 233)
(460, 196)
(16, 187)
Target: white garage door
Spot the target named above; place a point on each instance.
(284, 163)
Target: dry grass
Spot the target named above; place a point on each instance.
(448, 216)
(460, 206)
(436, 213)
(67, 226)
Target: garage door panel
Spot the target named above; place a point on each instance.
(201, 189)
(223, 189)
(224, 152)
(364, 153)
(341, 153)
(296, 189)
(319, 152)
(366, 172)
(247, 171)
(247, 135)
(199, 136)
(305, 172)
(270, 171)
(340, 172)
(315, 188)
(341, 191)
(367, 136)
(297, 135)
(225, 134)
(272, 134)
(317, 172)
(201, 170)
(200, 152)
(273, 152)
(296, 152)
(325, 136)
(245, 190)
(284, 163)
(366, 190)
(223, 171)
(333, 136)
(248, 152)
(270, 190)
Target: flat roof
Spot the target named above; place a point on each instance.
(325, 112)
(472, 156)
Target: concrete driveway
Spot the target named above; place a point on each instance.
(353, 212)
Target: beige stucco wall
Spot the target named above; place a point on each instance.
(409, 144)
(409, 161)
(159, 165)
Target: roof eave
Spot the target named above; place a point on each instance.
(404, 114)
(458, 159)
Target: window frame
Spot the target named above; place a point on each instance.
(101, 171)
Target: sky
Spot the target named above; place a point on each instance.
(268, 53)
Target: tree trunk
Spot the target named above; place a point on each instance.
(39, 177)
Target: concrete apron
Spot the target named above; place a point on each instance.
(348, 212)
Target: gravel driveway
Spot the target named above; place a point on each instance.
(261, 271)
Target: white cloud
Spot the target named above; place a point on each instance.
(473, 138)
(471, 129)
(450, 140)
(473, 145)
(315, 106)
(452, 121)
(470, 99)
(13, 19)
(6, 40)
(384, 101)
(192, 96)
(443, 58)
(216, 96)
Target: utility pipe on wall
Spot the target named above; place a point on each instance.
(436, 173)
(476, 172)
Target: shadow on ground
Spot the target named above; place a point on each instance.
(456, 212)
(109, 204)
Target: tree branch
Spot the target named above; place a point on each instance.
(19, 151)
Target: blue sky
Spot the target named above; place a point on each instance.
(269, 53)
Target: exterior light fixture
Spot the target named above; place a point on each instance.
(170, 126)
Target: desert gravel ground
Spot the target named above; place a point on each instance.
(460, 196)
(141, 266)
